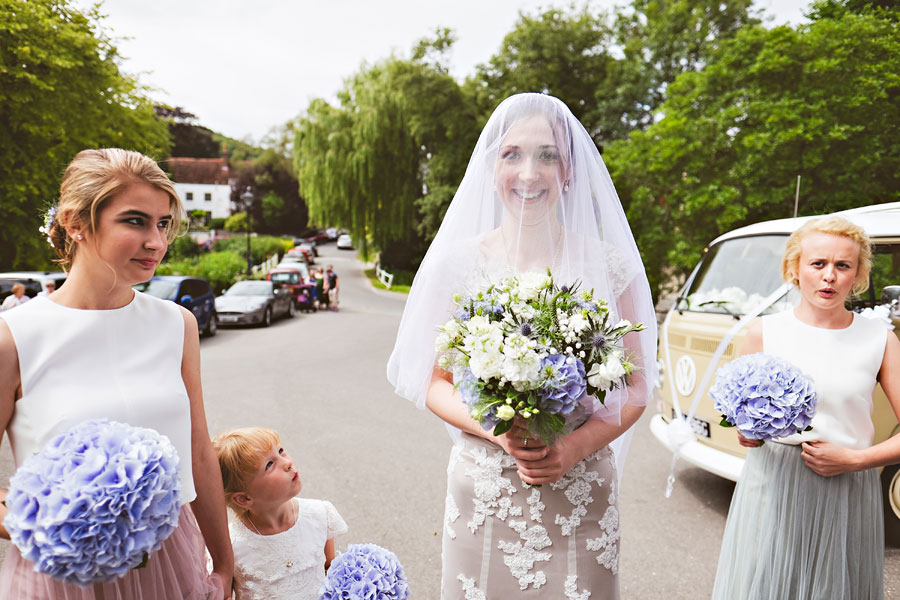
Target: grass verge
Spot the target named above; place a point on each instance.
(400, 289)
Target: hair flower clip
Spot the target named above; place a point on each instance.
(48, 223)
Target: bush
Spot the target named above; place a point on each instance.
(261, 247)
(220, 269)
(177, 267)
(182, 247)
(217, 223)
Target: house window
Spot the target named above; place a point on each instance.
(208, 197)
(189, 197)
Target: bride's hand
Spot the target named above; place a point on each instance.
(519, 444)
(558, 460)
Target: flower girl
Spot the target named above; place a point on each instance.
(282, 544)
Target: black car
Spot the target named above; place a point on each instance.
(254, 302)
(193, 293)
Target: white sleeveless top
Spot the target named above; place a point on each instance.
(123, 364)
(843, 364)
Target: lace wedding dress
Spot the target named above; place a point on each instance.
(503, 538)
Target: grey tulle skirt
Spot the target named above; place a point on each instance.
(794, 534)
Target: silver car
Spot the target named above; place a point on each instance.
(254, 303)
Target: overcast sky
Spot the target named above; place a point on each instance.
(244, 66)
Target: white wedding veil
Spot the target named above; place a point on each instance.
(535, 195)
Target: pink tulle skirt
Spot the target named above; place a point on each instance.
(177, 571)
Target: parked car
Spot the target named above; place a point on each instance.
(254, 302)
(332, 233)
(193, 293)
(309, 246)
(292, 260)
(344, 242)
(303, 250)
(296, 279)
(737, 271)
(32, 287)
(41, 277)
(315, 235)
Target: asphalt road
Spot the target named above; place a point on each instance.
(319, 379)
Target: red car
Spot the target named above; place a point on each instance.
(296, 278)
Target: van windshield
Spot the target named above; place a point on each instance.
(737, 274)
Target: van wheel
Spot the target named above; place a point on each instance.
(890, 486)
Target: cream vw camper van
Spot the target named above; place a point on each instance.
(738, 270)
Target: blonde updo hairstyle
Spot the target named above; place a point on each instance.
(91, 180)
(240, 453)
(833, 225)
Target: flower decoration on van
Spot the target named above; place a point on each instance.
(529, 348)
(764, 396)
(95, 502)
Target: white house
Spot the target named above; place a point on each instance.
(203, 184)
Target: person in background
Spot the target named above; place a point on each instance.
(15, 299)
(49, 288)
(333, 288)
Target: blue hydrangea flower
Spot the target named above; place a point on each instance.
(471, 393)
(365, 571)
(564, 384)
(484, 307)
(764, 396)
(462, 314)
(95, 501)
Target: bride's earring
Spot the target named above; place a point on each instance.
(566, 186)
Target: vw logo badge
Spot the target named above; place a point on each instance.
(685, 375)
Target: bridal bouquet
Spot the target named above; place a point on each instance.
(365, 571)
(527, 347)
(95, 502)
(764, 396)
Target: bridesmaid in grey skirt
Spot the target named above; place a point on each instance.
(806, 517)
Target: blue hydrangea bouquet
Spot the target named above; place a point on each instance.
(764, 396)
(95, 502)
(365, 571)
(527, 347)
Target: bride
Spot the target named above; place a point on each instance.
(524, 519)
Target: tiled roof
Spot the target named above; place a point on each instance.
(199, 170)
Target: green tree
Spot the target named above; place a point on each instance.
(272, 210)
(236, 222)
(821, 101)
(561, 52)
(61, 91)
(372, 164)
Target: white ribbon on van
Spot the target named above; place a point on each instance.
(679, 431)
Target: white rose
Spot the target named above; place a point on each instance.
(578, 323)
(599, 377)
(442, 342)
(614, 366)
(531, 283)
(506, 412)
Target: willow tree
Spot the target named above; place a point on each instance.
(386, 160)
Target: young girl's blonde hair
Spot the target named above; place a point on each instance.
(240, 453)
(833, 225)
(91, 180)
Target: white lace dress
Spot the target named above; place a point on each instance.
(286, 565)
(503, 538)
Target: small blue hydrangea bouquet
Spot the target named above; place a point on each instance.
(95, 502)
(764, 396)
(527, 347)
(365, 571)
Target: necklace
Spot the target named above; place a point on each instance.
(288, 563)
(555, 252)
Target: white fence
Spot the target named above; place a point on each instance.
(262, 269)
(384, 277)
